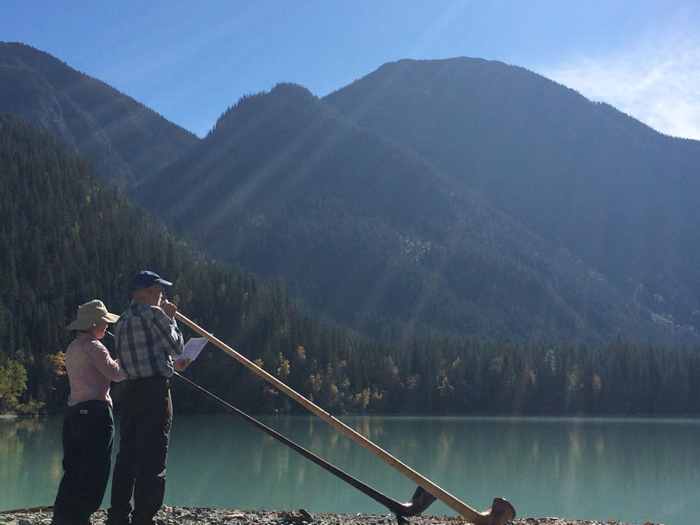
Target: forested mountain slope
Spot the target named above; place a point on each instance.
(66, 237)
(125, 139)
(582, 175)
(371, 233)
(576, 237)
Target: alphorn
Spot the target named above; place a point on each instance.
(501, 510)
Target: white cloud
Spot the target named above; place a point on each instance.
(657, 84)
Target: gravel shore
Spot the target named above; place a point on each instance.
(199, 516)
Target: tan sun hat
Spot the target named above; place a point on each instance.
(92, 314)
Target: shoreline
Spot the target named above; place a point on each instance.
(201, 516)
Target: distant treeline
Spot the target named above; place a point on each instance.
(347, 374)
(67, 237)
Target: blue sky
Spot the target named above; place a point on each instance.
(191, 60)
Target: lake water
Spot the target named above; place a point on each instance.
(633, 470)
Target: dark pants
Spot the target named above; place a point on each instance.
(88, 435)
(147, 414)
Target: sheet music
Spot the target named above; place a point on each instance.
(192, 348)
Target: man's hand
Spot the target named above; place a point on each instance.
(169, 308)
(181, 364)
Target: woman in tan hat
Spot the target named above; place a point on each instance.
(88, 425)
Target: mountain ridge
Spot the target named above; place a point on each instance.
(125, 139)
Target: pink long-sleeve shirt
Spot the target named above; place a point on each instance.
(90, 370)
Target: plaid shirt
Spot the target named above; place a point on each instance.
(145, 340)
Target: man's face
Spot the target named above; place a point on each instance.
(155, 294)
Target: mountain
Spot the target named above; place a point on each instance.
(371, 233)
(458, 197)
(67, 236)
(125, 139)
(581, 175)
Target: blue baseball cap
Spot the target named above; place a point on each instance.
(146, 279)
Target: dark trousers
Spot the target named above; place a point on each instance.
(88, 435)
(147, 414)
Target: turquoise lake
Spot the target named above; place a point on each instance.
(632, 470)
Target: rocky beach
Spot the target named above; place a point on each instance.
(202, 516)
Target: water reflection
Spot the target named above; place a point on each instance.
(30, 451)
(626, 469)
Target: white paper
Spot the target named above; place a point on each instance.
(192, 348)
